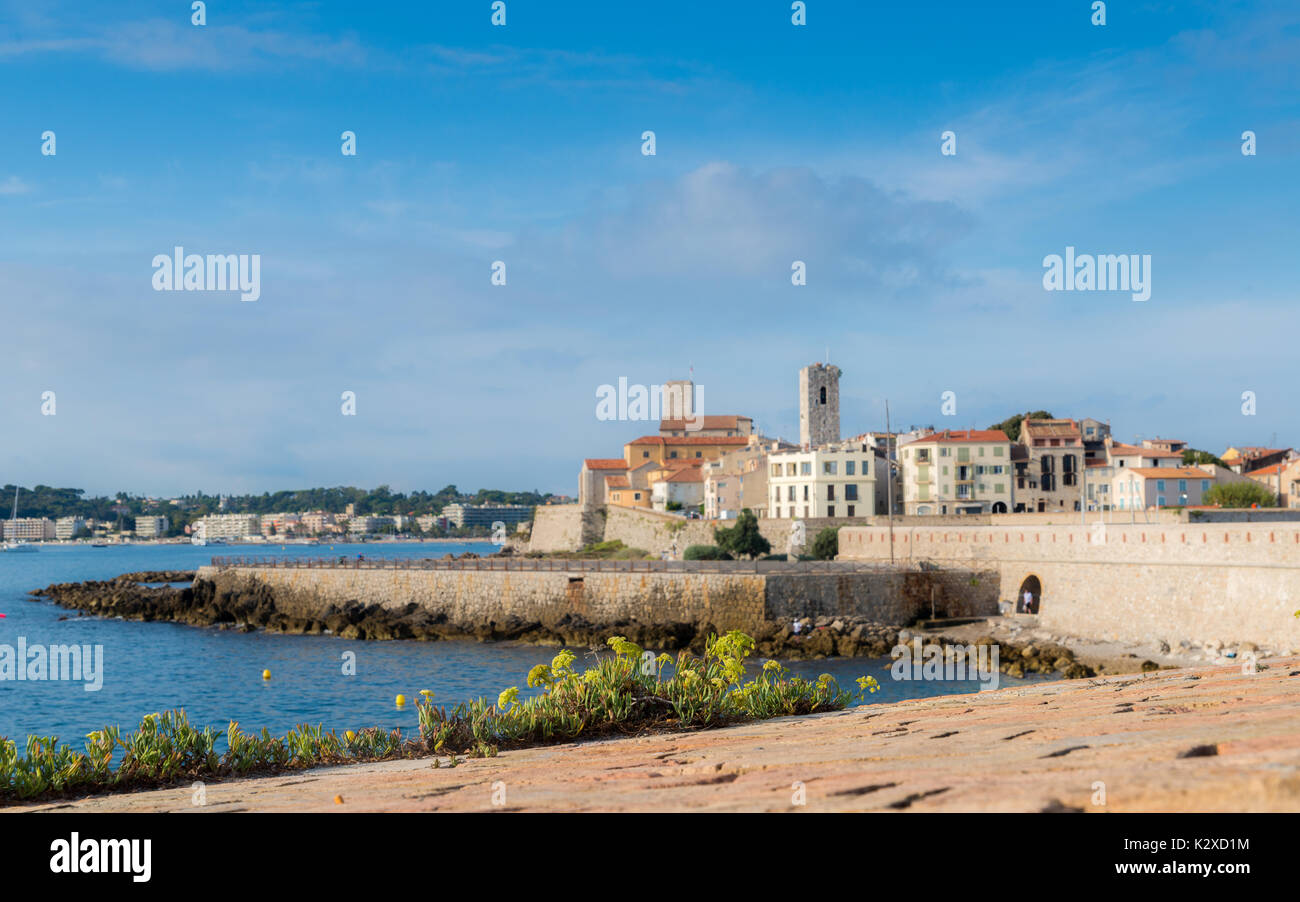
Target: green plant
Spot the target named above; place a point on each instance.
(626, 692)
(827, 544)
(743, 539)
(705, 553)
(1240, 494)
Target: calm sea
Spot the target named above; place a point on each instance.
(216, 675)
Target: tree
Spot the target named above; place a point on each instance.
(1192, 457)
(743, 539)
(827, 544)
(1011, 425)
(1240, 494)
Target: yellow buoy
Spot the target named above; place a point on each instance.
(401, 700)
(338, 800)
(266, 674)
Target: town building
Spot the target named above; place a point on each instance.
(1138, 488)
(658, 448)
(707, 426)
(678, 489)
(366, 525)
(835, 480)
(151, 527)
(227, 526)
(318, 522)
(592, 478)
(737, 480)
(462, 515)
(29, 529)
(1048, 465)
(1252, 457)
(958, 472)
(67, 527)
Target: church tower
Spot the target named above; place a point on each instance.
(819, 404)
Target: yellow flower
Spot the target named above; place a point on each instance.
(507, 698)
(563, 662)
(427, 694)
(540, 675)
(623, 647)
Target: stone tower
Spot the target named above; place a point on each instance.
(679, 400)
(819, 404)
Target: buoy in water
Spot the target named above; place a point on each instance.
(401, 700)
(266, 674)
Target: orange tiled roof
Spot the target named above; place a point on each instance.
(1122, 450)
(691, 440)
(617, 482)
(605, 463)
(962, 436)
(708, 422)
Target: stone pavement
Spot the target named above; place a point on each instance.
(1198, 739)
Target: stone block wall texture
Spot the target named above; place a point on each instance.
(565, 527)
(725, 600)
(1139, 583)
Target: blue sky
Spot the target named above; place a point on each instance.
(523, 144)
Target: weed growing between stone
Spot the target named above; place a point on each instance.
(624, 693)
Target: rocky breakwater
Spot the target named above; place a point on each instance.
(253, 605)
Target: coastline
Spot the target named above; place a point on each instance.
(1196, 739)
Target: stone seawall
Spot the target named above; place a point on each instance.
(1144, 583)
(464, 601)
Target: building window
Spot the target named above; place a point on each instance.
(850, 511)
(830, 510)
(1160, 485)
(851, 492)
(849, 468)
(805, 493)
(805, 469)
(829, 467)
(637, 496)
(830, 492)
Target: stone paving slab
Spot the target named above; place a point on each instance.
(1197, 739)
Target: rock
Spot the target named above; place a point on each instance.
(1148, 666)
(1164, 648)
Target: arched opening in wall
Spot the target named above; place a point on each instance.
(1031, 595)
(999, 507)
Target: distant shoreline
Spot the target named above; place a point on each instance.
(478, 540)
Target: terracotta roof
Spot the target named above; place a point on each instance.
(1120, 449)
(1051, 428)
(1169, 472)
(691, 440)
(1270, 470)
(616, 482)
(729, 421)
(605, 463)
(685, 474)
(962, 436)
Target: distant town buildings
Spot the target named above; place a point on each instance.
(463, 515)
(151, 527)
(29, 529)
(66, 528)
(228, 526)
